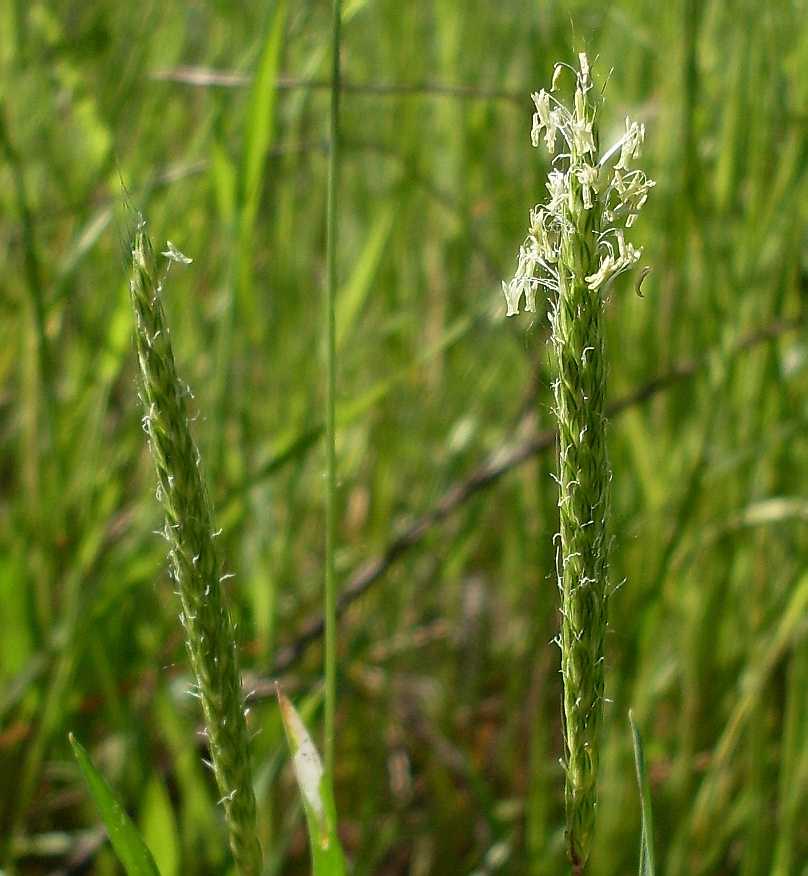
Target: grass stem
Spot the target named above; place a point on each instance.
(330, 428)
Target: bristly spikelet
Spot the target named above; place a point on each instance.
(587, 198)
(196, 568)
(575, 249)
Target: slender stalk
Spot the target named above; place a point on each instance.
(576, 248)
(196, 566)
(330, 425)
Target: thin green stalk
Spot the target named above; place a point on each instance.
(330, 404)
(576, 248)
(196, 566)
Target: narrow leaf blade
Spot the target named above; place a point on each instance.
(328, 858)
(132, 852)
(354, 294)
(647, 836)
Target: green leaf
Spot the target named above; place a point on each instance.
(132, 852)
(260, 121)
(158, 825)
(259, 134)
(647, 837)
(315, 788)
(354, 294)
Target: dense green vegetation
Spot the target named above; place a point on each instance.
(211, 118)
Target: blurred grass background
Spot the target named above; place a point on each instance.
(214, 117)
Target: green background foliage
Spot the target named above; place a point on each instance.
(448, 724)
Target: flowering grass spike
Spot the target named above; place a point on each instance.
(196, 565)
(576, 248)
(589, 202)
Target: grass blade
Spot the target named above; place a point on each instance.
(647, 836)
(258, 135)
(354, 294)
(315, 788)
(132, 852)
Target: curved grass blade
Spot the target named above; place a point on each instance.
(132, 852)
(647, 836)
(258, 136)
(326, 852)
(353, 295)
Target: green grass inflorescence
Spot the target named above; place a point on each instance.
(196, 566)
(576, 248)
